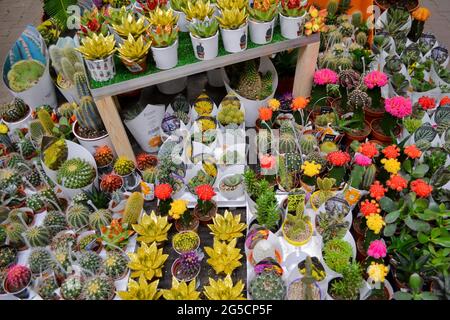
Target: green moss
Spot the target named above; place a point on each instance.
(185, 56)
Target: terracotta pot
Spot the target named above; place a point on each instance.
(370, 114)
(359, 137)
(192, 227)
(206, 219)
(358, 232)
(361, 253)
(380, 136)
(136, 67)
(398, 283)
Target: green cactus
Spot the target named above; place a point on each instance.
(317, 157)
(294, 200)
(72, 287)
(297, 226)
(286, 179)
(90, 262)
(361, 38)
(46, 121)
(324, 193)
(78, 216)
(75, 174)
(33, 177)
(2, 237)
(287, 143)
(39, 260)
(87, 240)
(67, 109)
(55, 154)
(293, 161)
(36, 131)
(14, 233)
(24, 74)
(133, 208)
(357, 19)
(347, 29)
(35, 202)
(358, 99)
(81, 84)
(369, 176)
(7, 256)
(9, 177)
(347, 287)
(14, 111)
(100, 218)
(88, 117)
(37, 236)
(308, 281)
(98, 288)
(20, 216)
(337, 254)
(81, 198)
(149, 175)
(268, 286)
(115, 264)
(124, 166)
(46, 289)
(308, 143)
(50, 198)
(250, 83)
(26, 148)
(55, 222)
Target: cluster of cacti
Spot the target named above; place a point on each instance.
(103, 156)
(67, 109)
(35, 202)
(325, 119)
(358, 99)
(90, 123)
(26, 148)
(34, 177)
(78, 216)
(85, 241)
(98, 288)
(67, 62)
(115, 264)
(100, 218)
(133, 208)
(55, 154)
(37, 236)
(14, 232)
(249, 82)
(75, 173)
(230, 113)
(149, 175)
(287, 141)
(145, 161)
(7, 256)
(324, 193)
(80, 198)
(297, 226)
(124, 166)
(90, 262)
(332, 225)
(25, 74)
(55, 222)
(14, 111)
(72, 287)
(317, 157)
(110, 182)
(40, 260)
(9, 177)
(18, 277)
(50, 198)
(16, 161)
(46, 289)
(347, 29)
(268, 286)
(308, 143)
(369, 176)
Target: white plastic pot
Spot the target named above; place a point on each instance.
(252, 106)
(92, 144)
(101, 70)
(205, 48)
(235, 40)
(173, 86)
(215, 78)
(292, 27)
(182, 22)
(233, 194)
(22, 124)
(167, 57)
(261, 32)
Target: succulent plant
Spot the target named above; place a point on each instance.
(116, 234)
(332, 225)
(64, 240)
(50, 198)
(349, 79)
(369, 176)
(90, 262)
(324, 193)
(224, 289)
(347, 287)
(152, 228)
(20, 216)
(67, 109)
(204, 28)
(25, 74)
(297, 227)
(35, 202)
(7, 256)
(63, 259)
(75, 174)
(100, 218)
(188, 266)
(39, 260)
(55, 154)
(47, 287)
(124, 166)
(78, 216)
(227, 227)
(9, 176)
(26, 148)
(185, 241)
(230, 112)
(145, 161)
(133, 208)
(90, 124)
(111, 182)
(337, 254)
(37, 236)
(14, 232)
(86, 240)
(18, 277)
(180, 290)
(115, 264)
(306, 288)
(267, 286)
(358, 99)
(14, 111)
(149, 175)
(224, 257)
(148, 261)
(2, 236)
(141, 290)
(55, 222)
(103, 156)
(72, 287)
(308, 143)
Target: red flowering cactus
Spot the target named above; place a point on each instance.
(421, 188)
(368, 208)
(164, 193)
(150, 5)
(427, 103)
(205, 193)
(397, 182)
(391, 152)
(265, 113)
(413, 152)
(444, 101)
(338, 158)
(93, 22)
(368, 149)
(377, 190)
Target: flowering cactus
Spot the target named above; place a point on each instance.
(17, 278)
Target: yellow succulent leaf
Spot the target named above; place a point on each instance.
(224, 289)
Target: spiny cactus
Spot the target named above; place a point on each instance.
(297, 226)
(369, 176)
(89, 120)
(250, 83)
(75, 174)
(46, 289)
(35, 202)
(67, 109)
(14, 232)
(308, 281)
(14, 111)
(133, 208)
(111, 182)
(72, 287)
(55, 222)
(98, 288)
(293, 161)
(268, 286)
(149, 175)
(359, 99)
(287, 143)
(39, 260)
(103, 156)
(100, 218)
(347, 29)
(115, 264)
(81, 84)
(36, 131)
(361, 38)
(17, 278)
(26, 148)
(50, 198)
(357, 19)
(145, 161)
(324, 193)
(33, 177)
(317, 157)
(37, 236)
(46, 121)
(90, 262)
(123, 166)
(308, 143)
(332, 225)
(55, 154)
(9, 177)
(349, 79)
(25, 74)
(7, 256)
(78, 216)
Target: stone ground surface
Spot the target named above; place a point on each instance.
(15, 15)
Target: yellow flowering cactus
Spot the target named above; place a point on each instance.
(375, 223)
(181, 291)
(274, 104)
(3, 128)
(377, 272)
(391, 165)
(311, 168)
(178, 208)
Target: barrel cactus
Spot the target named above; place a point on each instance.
(317, 157)
(47, 287)
(98, 288)
(268, 286)
(308, 143)
(24, 74)
(287, 143)
(358, 99)
(18, 277)
(361, 38)
(75, 174)
(78, 216)
(90, 262)
(349, 79)
(39, 260)
(124, 166)
(293, 161)
(72, 287)
(369, 176)
(110, 183)
(14, 233)
(149, 175)
(37, 236)
(115, 264)
(103, 156)
(35, 202)
(55, 222)
(100, 218)
(133, 208)
(145, 161)
(7, 256)
(34, 178)
(250, 83)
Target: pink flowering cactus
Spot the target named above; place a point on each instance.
(398, 107)
(375, 79)
(325, 76)
(377, 249)
(362, 160)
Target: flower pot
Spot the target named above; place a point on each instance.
(194, 248)
(91, 144)
(231, 194)
(148, 191)
(215, 78)
(105, 169)
(193, 226)
(101, 70)
(371, 114)
(21, 124)
(252, 106)
(172, 86)
(166, 57)
(95, 246)
(182, 21)
(174, 269)
(359, 135)
(358, 232)
(294, 242)
(205, 48)
(70, 93)
(205, 219)
(388, 293)
(261, 32)
(377, 133)
(235, 40)
(361, 253)
(131, 181)
(292, 27)
(136, 67)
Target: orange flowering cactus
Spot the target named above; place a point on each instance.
(116, 234)
(317, 22)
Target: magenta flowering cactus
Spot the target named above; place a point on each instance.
(17, 278)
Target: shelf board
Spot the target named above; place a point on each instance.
(124, 81)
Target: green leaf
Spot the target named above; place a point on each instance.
(443, 241)
(407, 166)
(389, 230)
(420, 171)
(387, 204)
(436, 232)
(57, 9)
(417, 225)
(392, 217)
(428, 296)
(400, 295)
(421, 204)
(423, 238)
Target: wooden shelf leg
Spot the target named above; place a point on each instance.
(304, 73)
(108, 107)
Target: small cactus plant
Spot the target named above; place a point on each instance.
(78, 216)
(308, 143)
(26, 148)
(111, 182)
(55, 154)
(358, 99)
(90, 262)
(14, 232)
(39, 260)
(268, 286)
(149, 175)
(7, 256)
(67, 109)
(115, 264)
(14, 111)
(35, 202)
(103, 156)
(75, 174)
(369, 176)
(55, 222)
(98, 288)
(99, 218)
(18, 278)
(34, 178)
(124, 166)
(46, 289)
(324, 193)
(145, 161)
(90, 123)
(37, 236)
(133, 208)
(72, 287)
(349, 79)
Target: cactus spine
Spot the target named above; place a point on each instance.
(308, 143)
(37, 236)
(88, 116)
(46, 121)
(81, 84)
(78, 216)
(100, 218)
(133, 208)
(308, 280)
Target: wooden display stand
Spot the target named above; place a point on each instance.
(108, 105)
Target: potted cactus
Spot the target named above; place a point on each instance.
(187, 267)
(262, 20)
(348, 287)
(232, 186)
(16, 115)
(233, 28)
(76, 174)
(267, 285)
(71, 288)
(148, 183)
(146, 161)
(17, 281)
(231, 114)
(206, 208)
(104, 157)
(297, 229)
(305, 288)
(125, 168)
(164, 32)
(292, 18)
(185, 241)
(110, 183)
(46, 288)
(115, 265)
(37, 236)
(133, 54)
(203, 30)
(36, 203)
(98, 52)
